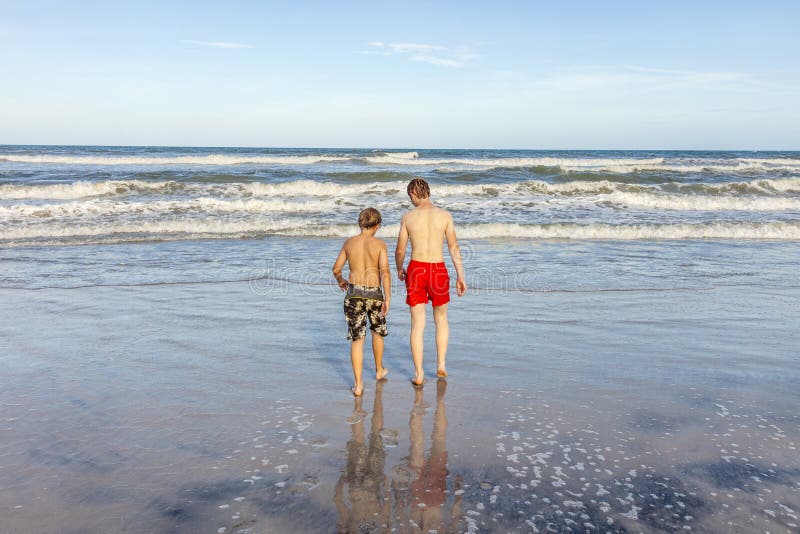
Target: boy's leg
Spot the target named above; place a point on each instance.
(377, 352)
(442, 337)
(357, 359)
(378, 326)
(417, 329)
(356, 316)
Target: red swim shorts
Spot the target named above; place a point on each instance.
(427, 281)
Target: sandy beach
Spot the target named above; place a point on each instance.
(224, 407)
(185, 187)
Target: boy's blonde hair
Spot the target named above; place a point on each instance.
(369, 218)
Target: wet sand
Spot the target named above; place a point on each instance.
(213, 408)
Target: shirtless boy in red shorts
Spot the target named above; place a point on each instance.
(426, 277)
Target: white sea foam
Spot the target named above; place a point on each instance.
(701, 202)
(208, 206)
(202, 205)
(257, 226)
(84, 189)
(581, 164)
(396, 189)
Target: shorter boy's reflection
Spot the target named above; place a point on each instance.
(418, 485)
(364, 474)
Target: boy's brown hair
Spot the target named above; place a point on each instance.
(419, 188)
(369, 218)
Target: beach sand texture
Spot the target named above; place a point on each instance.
(201, 408)
(174, 357)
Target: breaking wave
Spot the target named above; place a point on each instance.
(165, 230)
(311, 188)
(401, 159)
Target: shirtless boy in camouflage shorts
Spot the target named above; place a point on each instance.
(368, 261)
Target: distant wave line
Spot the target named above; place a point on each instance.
(612, 165)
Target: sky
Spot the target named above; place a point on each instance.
(527, 74)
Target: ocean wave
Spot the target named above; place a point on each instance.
(254, 228)
(85, 189)
(209, 159)
(400, 159)
(202, 205)
(479, 206)
(390, 158)
(700, 202)
(393, 189)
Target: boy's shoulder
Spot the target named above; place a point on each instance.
(348, 242)
(378, 242)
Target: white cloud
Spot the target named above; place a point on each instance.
(414, 47)
(594, 78)
(216, 44)
(437, 61)
(421, 52)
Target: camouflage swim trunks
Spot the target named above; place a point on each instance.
(357, 308)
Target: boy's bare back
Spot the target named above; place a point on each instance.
(367, 257)
(426, 227)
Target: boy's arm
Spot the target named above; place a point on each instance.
(400, 251)
(337, 269)
(455, 255)
(386, 278)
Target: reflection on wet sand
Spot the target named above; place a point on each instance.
(417, 487)
(364, 474)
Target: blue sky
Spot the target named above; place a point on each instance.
(627, 75)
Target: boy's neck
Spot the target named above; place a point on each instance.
(368, 231)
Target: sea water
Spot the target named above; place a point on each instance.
(226, 208)
(626, 357)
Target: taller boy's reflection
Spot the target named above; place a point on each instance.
(418, 485)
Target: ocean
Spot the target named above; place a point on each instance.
(174, 353)
(103, 195)
(224, 204)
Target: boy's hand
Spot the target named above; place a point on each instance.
(461, 287)
(401, 273)
(384, 309)
(343, 284)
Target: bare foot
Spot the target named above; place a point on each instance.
(441, 373)
(357, 390)
(418, 381)
(381, 374)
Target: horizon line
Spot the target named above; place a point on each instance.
(343, 147)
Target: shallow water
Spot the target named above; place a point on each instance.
(224, 407)
(174, 355)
